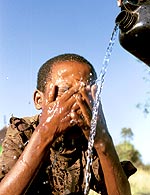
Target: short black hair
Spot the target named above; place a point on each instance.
(46, 68)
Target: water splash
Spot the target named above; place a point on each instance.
(99, 83)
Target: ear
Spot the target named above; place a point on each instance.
(38, 97)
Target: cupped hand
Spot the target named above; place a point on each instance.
(55, 117)
(85, 98)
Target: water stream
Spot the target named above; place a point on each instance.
(99, 83)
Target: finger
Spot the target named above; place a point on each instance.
(85, 109)
(70, 119)
(66, 107)
(75, 107)
(70, 92)
(86, 95)
(76, 118)
(51, 92)
(73, 115)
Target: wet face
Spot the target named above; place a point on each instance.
(67, 74)
(63, 77)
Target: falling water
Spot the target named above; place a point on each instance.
(99, 83)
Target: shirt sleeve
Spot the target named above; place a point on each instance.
(12, 148)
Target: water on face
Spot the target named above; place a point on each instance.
(99, 83)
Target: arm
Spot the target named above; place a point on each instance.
(114, 176)
(54, 120)
(25, 168)
(115, 179)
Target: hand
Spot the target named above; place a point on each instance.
(55, 116)
(85, 99)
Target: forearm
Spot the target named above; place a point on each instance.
(115, 178)
(22, 173)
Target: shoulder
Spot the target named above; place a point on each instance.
(24, 123)
(23, 127)
(17, 135)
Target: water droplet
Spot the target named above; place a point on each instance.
(45, 182)
(26, 143)
(20, 146)
(3, 168)
(86, 128)
(72, 122)
(14, 157)
(73, 115)
(48, 119)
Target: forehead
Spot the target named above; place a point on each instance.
(71, 71)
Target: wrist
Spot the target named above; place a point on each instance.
(44, 135)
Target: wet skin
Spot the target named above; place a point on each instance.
(66, 102)
(74, 78)
(67, 97)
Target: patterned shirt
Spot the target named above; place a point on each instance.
(62, 171)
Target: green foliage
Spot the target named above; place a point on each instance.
(0, 149)
(127, 134)
(127, 151)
